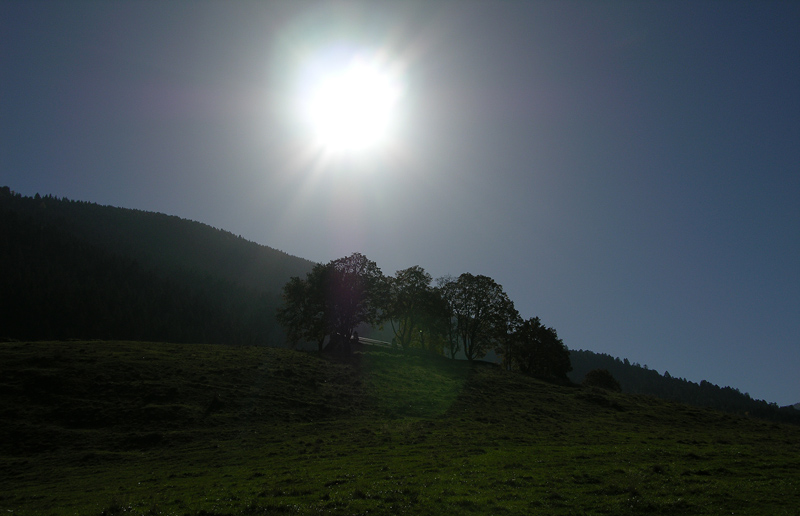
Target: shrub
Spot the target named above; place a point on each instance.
(603, 379)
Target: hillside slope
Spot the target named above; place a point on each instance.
(635, 379)
(80, 270)
(125, 427)
(163, 242)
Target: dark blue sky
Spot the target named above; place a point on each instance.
(628, 171)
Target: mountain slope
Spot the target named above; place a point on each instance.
(81, 270)
(635, 379)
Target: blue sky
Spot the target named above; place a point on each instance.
(628, 171)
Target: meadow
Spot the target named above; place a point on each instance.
(106, 428)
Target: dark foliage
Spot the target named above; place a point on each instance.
(481, 310)
(356, 293)
(80, 270)
(303, 311)
(603, 379)
(636, 379)
(410, 303)
(333, 300)
(537, 351)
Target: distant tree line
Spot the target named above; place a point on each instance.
(469, 315)
(637, 379)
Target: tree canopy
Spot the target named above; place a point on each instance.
(304, 314)
(481, 310)
(416, 311)
(333, 299)
(603, 379)
(469, 315)
(537, 351)
(356, 293)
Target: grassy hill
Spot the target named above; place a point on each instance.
(145, 428)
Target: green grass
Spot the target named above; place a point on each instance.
(139, 428)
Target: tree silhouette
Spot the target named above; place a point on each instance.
(304, 313)
(507, 340)
(408, 304)
(357, 290)
(603, 379)
(482, 311)
(446, 290)
(434, 325)
(333, 300)
(537, 351)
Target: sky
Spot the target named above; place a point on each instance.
(628, 171)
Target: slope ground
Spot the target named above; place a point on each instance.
(146, 428)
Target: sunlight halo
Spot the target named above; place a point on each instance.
(351, 106)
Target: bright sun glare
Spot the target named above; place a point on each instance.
(352, 109)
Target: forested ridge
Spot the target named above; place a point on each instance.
(638, 379)
(76, 269)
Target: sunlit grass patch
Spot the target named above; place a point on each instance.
(421, 386)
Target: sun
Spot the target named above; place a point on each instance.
(353, 108)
